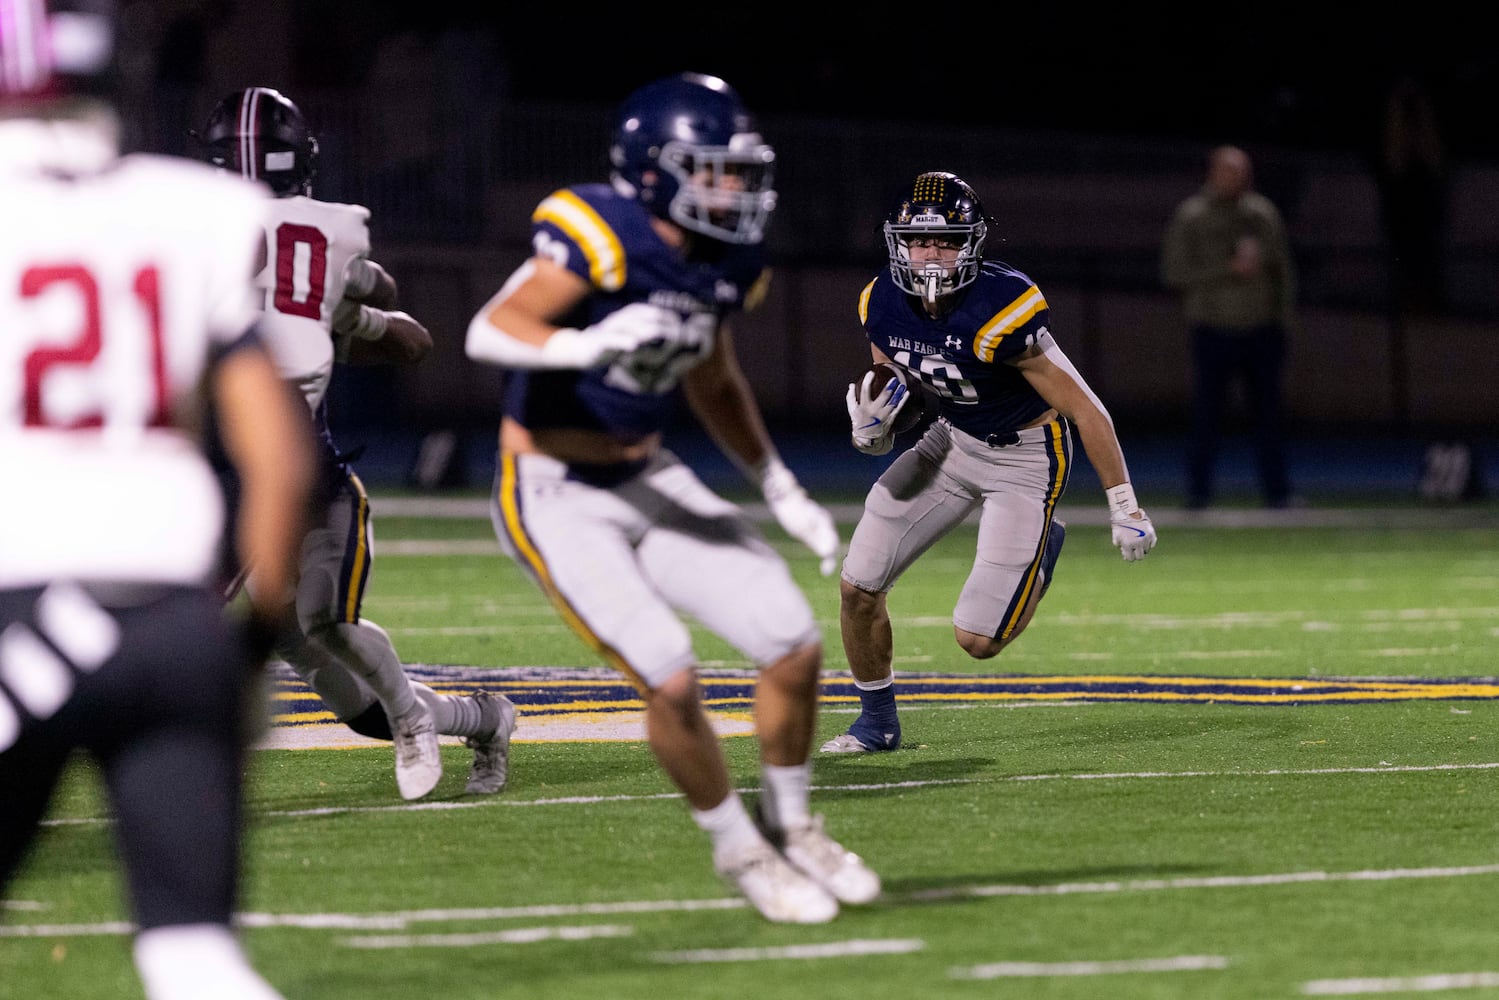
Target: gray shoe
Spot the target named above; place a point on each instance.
(845, 743)
(491, 767)
(418, 757)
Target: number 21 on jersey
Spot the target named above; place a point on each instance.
(82, 360)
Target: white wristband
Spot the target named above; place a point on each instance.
(1122, 501)
(774, 478)
(567, 347)
(370, 325)
(564, 348)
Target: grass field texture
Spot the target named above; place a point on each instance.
(1261, 763)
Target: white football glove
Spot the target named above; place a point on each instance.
(1134, 535)
(800, 516)
(619, 333)
(873, 419)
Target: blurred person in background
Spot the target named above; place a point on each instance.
(1227, 254)
(327, 303)
(126, 316)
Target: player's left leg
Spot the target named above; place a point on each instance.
(185, 744)
(485, 720)
(343, 692)
(487, 735)
(710, 561)
(869, 648)
(1019, 541)
(33, 751)
(335, 566)
(175, 962)
(369, 653)
(917, 501)
(685, 744)
(29, 773)
(785, 717)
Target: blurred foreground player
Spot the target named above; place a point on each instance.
(125, 314)
(623, 311)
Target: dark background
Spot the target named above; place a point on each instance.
(1081, 128)
(1295, 75)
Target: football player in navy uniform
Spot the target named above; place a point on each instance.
(622, 310)
(327, 302)
(126, 313)
(975, 334)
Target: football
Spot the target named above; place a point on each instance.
(910, 415)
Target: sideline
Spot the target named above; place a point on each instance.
(1455, 517)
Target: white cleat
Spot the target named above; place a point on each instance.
(491, 766)
(418, 757)
(780, 892)
(831, 865)
(844, 743)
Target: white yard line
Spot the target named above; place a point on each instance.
(518, 935)
(1203, 882)
(1012, 970)
(493, 802)
(1435, 983)
(400, 920)
(826, 949)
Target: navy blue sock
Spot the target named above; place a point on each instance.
(878, 726)
(878, 706)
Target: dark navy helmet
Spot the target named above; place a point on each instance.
(938, 207)
(686, 147)
(260, 133)
(57, 48)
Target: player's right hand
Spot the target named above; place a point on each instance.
(873, 416)
(803, 518)
(629, 329)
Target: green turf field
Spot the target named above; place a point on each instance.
(1264, 762)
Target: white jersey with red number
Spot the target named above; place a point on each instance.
(309, 244)
(120, 283)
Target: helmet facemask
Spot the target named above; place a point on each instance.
(934, 276)
(940, 214)
(723, 192)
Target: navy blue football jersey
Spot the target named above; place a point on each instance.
(962, 357)
(606, 238)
